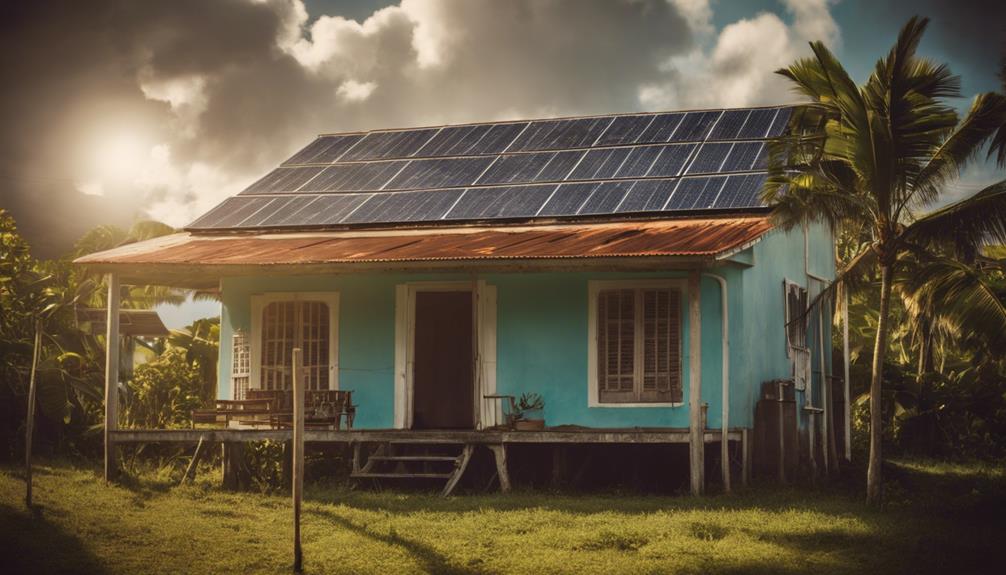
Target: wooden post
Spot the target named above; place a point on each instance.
(845, 357)
(190, 471)
(499, 453)
(696, 436)
(298, 456)
(111, 376)
(825, 400)
(745, 456)
(30, 423)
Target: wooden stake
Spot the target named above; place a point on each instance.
(190, 471)
(696, 437)
(30, 424)
(298, 456)
(111, 376)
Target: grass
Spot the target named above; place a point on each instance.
(942, 518)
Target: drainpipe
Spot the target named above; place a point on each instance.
(724, 444)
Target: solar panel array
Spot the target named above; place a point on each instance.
(625, 164)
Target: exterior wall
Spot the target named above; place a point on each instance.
(779, 256)
(542, 340)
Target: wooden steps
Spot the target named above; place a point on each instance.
(405, 460)
(403, 475)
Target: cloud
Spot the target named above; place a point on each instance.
(738, 69)
(213, 94)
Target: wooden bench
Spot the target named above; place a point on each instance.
(324, 409)
(226, 410)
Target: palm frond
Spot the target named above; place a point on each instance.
(968, 224)
(963, 144)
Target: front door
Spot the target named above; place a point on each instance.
(443, 382)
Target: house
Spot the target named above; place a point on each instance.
(624, 267)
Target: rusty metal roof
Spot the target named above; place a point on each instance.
(697, 237)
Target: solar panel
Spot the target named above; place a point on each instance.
(741, 157)
(559, 166)
(632, 163)
(606, 197)
(567, 199)
(757, 124)
(324, 150)
(453, 141)
(661, 128)
(389, 145)
(729, 125)
(709, 159)
(331, 209)
(694, 126)
(283, 180)
(559, 134)
(405, 207)
(695, 193)
(439, 173)
(779, 123)
(600, 164)
(625, 130)
(516, 168)
(647, 196)
(497, 139)
(232, 212)
(672, 159)
(741, 191)
(639, 162)
(367, 176)
(506, 202)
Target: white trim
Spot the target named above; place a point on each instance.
(484, 375)
(258, 303)
(594, 287)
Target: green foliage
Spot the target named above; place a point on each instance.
(163, 392)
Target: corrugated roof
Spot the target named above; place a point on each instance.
(629, 165)
(137, 322)
(699, 237)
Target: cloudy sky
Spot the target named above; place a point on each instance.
(114, 110)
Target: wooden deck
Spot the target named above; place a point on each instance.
(390, 440)
(584, 436)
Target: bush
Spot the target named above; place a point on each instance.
(163, 392)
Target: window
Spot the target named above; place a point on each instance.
(240, 364)
(637, 343)
(282, 322)
(796, 307)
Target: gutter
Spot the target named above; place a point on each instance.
(725, 349)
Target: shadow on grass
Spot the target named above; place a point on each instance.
(29, 543)
(431, 560)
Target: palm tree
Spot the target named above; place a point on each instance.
(877, 156)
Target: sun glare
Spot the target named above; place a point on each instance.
(117, 157)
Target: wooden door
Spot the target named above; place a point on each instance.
(443, 382)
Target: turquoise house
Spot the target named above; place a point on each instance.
(622, 267)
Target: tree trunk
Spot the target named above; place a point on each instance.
(874, 481)
(925, 431)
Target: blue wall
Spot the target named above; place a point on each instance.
(542, 334)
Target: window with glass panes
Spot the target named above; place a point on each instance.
(290, 324)
(639, 345)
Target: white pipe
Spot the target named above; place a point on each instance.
(725, 347)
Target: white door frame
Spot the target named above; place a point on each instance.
(484, 354)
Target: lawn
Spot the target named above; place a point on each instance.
(941, 518)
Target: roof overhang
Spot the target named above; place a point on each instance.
(200, 261)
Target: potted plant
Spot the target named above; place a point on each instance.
(530, 412)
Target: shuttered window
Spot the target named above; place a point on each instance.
(639, 345)
(796, 320)
(290, 324)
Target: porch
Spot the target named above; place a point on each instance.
(382, 443)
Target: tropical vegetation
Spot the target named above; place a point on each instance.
(877, 162)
